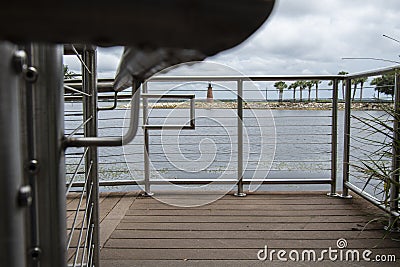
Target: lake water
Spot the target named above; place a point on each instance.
(276, 144)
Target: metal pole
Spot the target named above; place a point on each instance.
(346, 141)
(48, 106)
(334, 139)
(240, 192)
(147, 189)
(394, 185)
(12, 234)
(89, 82)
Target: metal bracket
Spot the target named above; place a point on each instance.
(192, 124)
(111, 141)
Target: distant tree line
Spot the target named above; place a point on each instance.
(384, 84)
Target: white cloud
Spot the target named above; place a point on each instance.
(311, 36)
(305, 36)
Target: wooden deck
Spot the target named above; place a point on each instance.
(138, 231)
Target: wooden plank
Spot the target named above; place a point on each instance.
(138, 206)
(204, 254)
(233, 263)
(230, 232)
(113, 218)
(251, 226)
(243, 219)
(249, 201)
(283, 234)
(246, 243)
(108, 204)
(212, 212)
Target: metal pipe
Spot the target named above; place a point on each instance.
(394, 185)
(371, 199)
(168, 96)
(346, 141)
(113, 106)
(240, 192)
(208, 181)
(191, 125)
(12, 234)
(89, 86)
(146, 147)
(192, 113)
(112, 141)
(49, 132)
(334, 138)
(237, 78)
(372, 72)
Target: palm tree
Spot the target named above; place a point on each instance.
(377, 82)
(294, 86)
(309, 85)
(384, 84)
(280, 86)
(316, 83)
(302, 86)
(361, 81)
(355, 82)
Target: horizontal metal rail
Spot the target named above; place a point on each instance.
(371, 199)
(274, 181)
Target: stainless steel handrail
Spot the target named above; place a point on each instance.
(391, 205)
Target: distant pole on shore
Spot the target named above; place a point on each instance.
(210, 97)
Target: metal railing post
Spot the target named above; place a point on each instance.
(346, 141)
(48, 123)
(12, 234)
(240, 192)
(394, 185)
(89, 82)
(147, 189)
(334, 139)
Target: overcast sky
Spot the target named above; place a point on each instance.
(306, 37)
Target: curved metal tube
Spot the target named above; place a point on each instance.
(112, 141)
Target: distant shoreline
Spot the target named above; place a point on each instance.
(268, 105)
